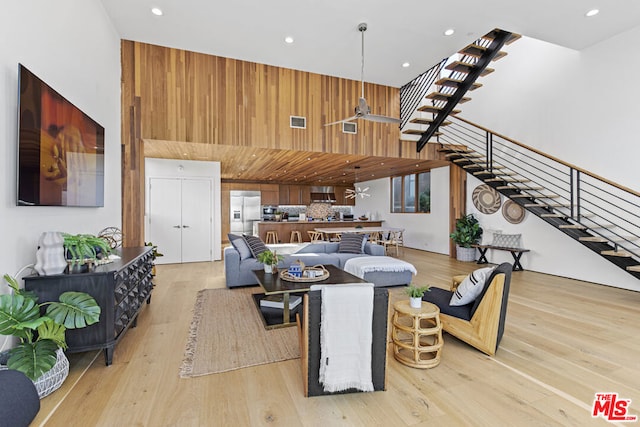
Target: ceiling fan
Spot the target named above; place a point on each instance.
(362, 110)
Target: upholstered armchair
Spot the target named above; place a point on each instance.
(479, 323)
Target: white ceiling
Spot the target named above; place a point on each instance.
(327, 40)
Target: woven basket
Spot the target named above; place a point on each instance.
(51, 380)
(465, 254)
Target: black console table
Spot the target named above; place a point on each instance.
(120, 288)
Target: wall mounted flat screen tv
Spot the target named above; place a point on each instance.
(60, 149)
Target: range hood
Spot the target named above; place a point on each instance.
(322, 195)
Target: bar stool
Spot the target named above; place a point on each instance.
(295, 237)
(315, 236)
(416, 334)
(272, 237)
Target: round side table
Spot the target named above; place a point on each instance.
(417, 334)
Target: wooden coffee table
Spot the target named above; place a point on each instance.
(272, 284)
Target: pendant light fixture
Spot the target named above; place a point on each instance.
(352, 193)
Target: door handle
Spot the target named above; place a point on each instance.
(185, 226)
(176, 226)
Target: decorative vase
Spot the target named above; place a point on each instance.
(465, 254)
(50, 255)
(415, 302)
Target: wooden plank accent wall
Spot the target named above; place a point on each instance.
(458, 200)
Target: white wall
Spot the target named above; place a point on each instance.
(429, 232)
(580, 107)
(167, 168)
(73, 47)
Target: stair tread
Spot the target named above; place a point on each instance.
(468, 154)
(545, 205)
(573, 226)
(513, 187)
(593, 239)
(512, 38)
(553, 215)
(440, 96)
(507, 179)
(475, 165)
(434, 109)
(421, 121)
(477, 51)
(418, 132)
(521, 196)
(449, 82)
(465, 67)
(635, 268)
(468, 159)
(623, 254)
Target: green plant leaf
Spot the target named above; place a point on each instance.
(75, 310)
(15, 311)
(33, 359)
(50, 330)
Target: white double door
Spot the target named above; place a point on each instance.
(179, 219)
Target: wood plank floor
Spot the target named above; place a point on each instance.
(564, 341)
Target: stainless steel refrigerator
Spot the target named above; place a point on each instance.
(245, 211)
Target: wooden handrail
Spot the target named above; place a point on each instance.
(548, 156)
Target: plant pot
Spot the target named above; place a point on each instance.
(268, 268)
(51, 380)
(465, 254)
(415, 302)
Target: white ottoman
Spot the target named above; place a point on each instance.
(381, 270)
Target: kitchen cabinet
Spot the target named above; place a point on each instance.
(284, 195)
(341, 198)
(295, 196)
(270, 194)
(305, 195)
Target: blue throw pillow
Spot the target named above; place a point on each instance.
(240, 245)
(351, 243)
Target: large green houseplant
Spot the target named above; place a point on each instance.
(40, 334)
(467, 233)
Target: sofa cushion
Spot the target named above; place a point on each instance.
(507, 240)
(441, 298)
(351, 243)
(256, 245)
(471, 287)
(241, 246)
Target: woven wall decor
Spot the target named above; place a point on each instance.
(513, 212)
(486, 199)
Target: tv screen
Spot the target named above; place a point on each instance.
(60, 149)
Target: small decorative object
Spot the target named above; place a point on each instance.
(467, 233)
(296, 269)
(415, 295)
(155, 254)
(309, 274)
(270, 260)
(83, 250)
(50, 255)
(113, 236)
(42, 337)
(486, 199)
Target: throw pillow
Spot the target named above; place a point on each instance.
(256, 245)
(507, 240)
(487, 236)
(471, 287)
(351, 243)
(241, 246)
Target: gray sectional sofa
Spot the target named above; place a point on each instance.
(239, 272)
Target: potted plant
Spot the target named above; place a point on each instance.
(155, 254)
(415, 294)
(42, 336)
(270, 260)
(467, 233)
(278, 215)
(82, 250)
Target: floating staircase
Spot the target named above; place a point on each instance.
(427, 101)
(599, 214)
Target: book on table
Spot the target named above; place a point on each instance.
(276, 301)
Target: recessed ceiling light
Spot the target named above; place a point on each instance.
(406, 65)
(449, 32)
(156, 11)
(288, 39)
(592, 12)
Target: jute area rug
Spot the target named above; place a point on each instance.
(227, 333)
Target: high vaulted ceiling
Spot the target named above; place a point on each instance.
(326, 41)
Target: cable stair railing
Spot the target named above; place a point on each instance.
(430, 112)
(600, 214)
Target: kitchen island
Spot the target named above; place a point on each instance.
(284, 228)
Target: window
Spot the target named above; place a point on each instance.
(411, 193)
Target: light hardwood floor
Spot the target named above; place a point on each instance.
(564, 341)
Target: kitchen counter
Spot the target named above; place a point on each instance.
(284, 228)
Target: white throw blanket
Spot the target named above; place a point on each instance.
(346, 337)
(286, 248)
(361, 265)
